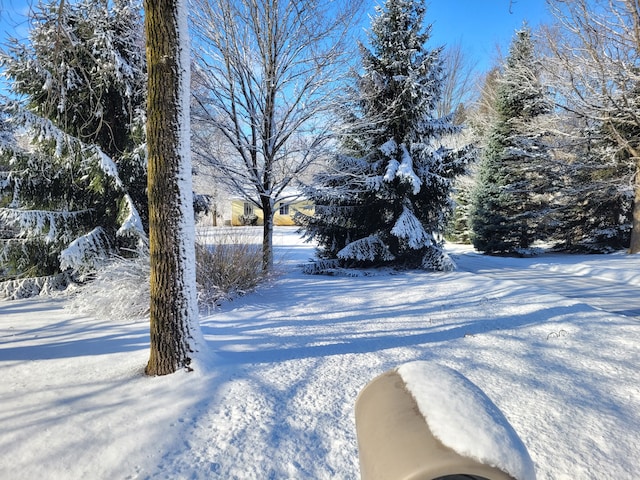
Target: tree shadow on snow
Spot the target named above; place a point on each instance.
(245, 344)
(73, 337)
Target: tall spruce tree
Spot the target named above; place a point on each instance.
(385, 197)
(511, 193)
(74, 179)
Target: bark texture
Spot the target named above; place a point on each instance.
(171, 305)
(267, 234)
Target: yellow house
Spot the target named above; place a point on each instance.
(246, 213)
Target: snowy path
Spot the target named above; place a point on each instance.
(544, 272)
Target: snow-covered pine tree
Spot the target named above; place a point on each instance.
(478, 119)
(594, 212)
(385, 197)
(511, 194)
(74, 171)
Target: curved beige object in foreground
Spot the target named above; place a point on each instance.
(395, 442)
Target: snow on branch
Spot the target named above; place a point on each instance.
(86, 252)
(403, 169)
(106, 164)
(64, 143)
(406, 170)
(389, 148)
(41, 222)
(120, 290)
(131, 224)
(31, 286)
(370, 249)
(438, 260)
(392, 170)
(409, 228)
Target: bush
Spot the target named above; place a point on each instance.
(120, 289)
(230, 266)
(227, 266)
(250, 220)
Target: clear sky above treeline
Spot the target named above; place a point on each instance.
(480, 26)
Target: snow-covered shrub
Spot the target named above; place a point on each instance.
(119, 290)
(228, 267)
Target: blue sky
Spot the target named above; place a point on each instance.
(13, 18)
(13, 22)
(480, 26)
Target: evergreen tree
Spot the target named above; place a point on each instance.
(385, 197)
(478, 119)
(458, 226)
(74, 179)
(511, 194)
(594, 212)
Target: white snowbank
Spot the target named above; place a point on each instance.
(464, 419)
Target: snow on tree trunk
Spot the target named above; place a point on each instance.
(634, 246)
(173, 311)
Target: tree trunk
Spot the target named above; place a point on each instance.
(173, 307)
(634, 246)
(267, 234)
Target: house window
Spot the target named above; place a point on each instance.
(248, 209)
(284, 209)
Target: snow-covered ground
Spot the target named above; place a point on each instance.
(275, 399)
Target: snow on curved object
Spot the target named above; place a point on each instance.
(465, 420)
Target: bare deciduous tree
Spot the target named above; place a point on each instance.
(459, 83)
(594, 67)
(267, 72)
